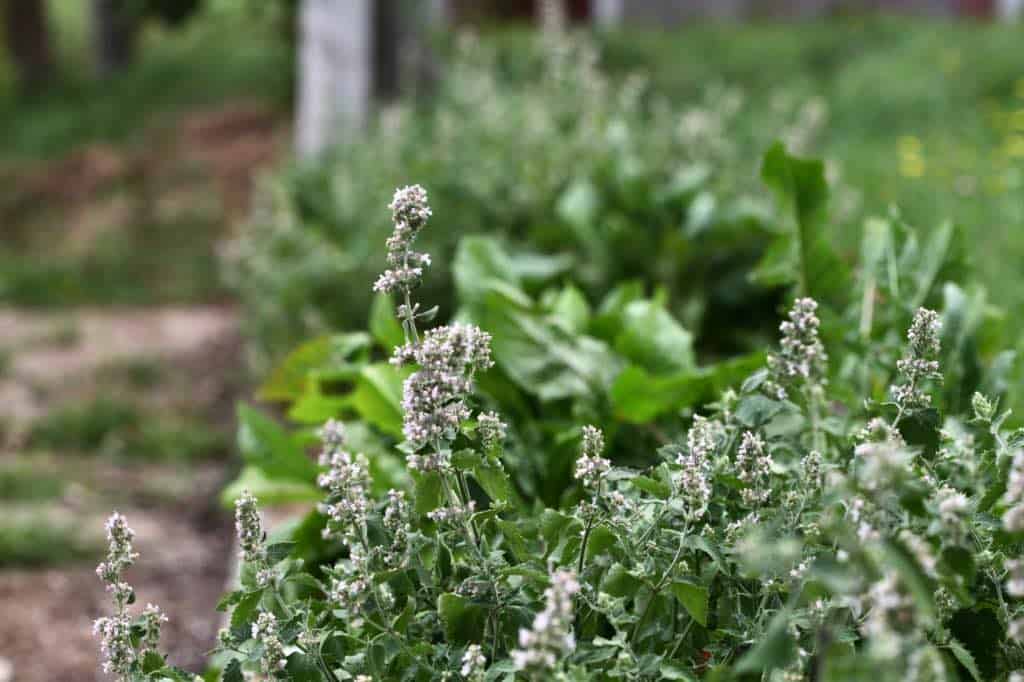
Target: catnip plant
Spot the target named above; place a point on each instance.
(797, 530)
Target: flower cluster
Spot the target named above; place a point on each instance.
(410, 212)
(753, 467)
(693, 482)
(921, 362)
(1013, 498)
(551, 638)
(265, 631)
(434, 397)
(491, 430)
(115, 632)
(801, 357)
(346, 483)
(473, 663)
(249, 527)
(591, 466)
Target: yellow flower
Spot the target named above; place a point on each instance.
(912, 166)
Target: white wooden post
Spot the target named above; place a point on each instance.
(1010, 10)
(335, 72)
(608, 12)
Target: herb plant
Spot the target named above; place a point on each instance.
(812, 523)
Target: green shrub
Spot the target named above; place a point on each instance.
(853, 506)
(623, 183)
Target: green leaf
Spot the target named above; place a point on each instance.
(774, 651)
(152, 662)
(288, 380)
(756, 410)
(427, 491)
(233, 672)
(964, 658)
(244, 614)
(303, 668)
(268, 491)
(639, 396)
(571, 310)
(653, 339)
(694, 599)
(384, 325)
(516, 542)
(279, 551)
(463, 620)
(480, 264)
(378, 396)
(265, 444)
(802, 255)
(492, 478)
(653, 486)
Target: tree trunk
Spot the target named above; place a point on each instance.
(28, 40)
(335, 71)
(115, 28)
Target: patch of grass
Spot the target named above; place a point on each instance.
(30, 538)
(138, 373)
(207, 61)
(85, 427)
(22, 480)
(124, 431)
(169, 262)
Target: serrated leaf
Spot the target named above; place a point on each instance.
(964, 658)
(694, 599)
(463, 620)
(265, 444)
(492, 478)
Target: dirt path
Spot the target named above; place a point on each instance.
(182, 535)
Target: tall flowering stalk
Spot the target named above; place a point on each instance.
(117, 644)
(801, 363)
(435, 396)
(920, 363)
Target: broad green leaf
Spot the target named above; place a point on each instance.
(265, 444)
(463, 620)
(303, 668)
(428, 491)
(494, 480)
(639, 396)
(694, 599)
(269, 491)
(802, 255)
(288, 380)
(313, 407)
(516, 542)
(378, 396)
(384, 325)
(653, 339)
(480, 263)
(571, 310)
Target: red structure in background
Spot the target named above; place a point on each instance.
(514, 10)
(581, 10)
(982, 9)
